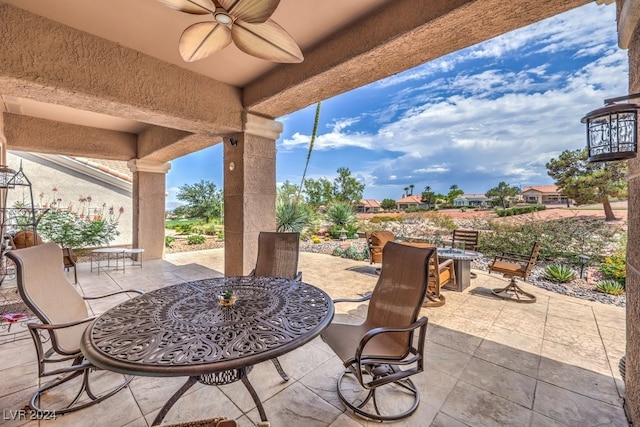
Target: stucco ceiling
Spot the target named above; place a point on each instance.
(115, 64)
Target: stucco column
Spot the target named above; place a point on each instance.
(3, 141)
(632, 375)
(249, 191)
(148, 204)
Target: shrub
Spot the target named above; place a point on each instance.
(337, 252)
(220, 235)
(341, 214)
(185, 228)
(74, 231)
(559, 273)
(316, 239)
(168, 240)
(196, 239)
(614, 267)
(611, 287)
(291, 216)
(334, 231)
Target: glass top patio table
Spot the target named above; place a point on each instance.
(182, 330)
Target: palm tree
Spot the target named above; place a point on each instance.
(411, 187)
(406, 192)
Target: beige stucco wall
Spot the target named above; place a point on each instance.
(71, 186)
(632, 376)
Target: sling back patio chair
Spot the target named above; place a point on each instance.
(63, 314)
(278, 257)
(380, 354)
(375, 242)
(515, 265)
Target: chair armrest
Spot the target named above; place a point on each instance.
(364, 298)
(511, 259)
(513, 255)
(420, 323)
(137, 291)
(446, 263)
(51, 327)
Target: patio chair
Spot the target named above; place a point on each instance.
(515, 265)
(380, 353)
(440, 274)
(375, 242)
(69, 260)
(468, 239)
(278, 257)
(48, 293)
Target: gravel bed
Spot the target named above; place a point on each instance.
(579, 288)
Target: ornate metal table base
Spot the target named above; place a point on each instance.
(217, 378)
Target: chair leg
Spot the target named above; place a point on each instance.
(85, 388)
(403, 386)
(513, 292)
(281, 371)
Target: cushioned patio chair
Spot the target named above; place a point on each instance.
(375, 242)
(515, 265)
(69, 260)
(278, 257)
(48, 293)
(380, 354)
(440, 274)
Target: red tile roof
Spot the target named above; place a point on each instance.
(542, 188)
(410, 199)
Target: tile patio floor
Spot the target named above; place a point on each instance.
(489, 362)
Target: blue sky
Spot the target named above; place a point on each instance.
(496, 111)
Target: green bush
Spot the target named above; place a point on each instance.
(196, 239)
(337, 252)
(351, 253)
(559, 273)
(74, 231)
(562, 240)
(291, 216)
(168, 240)
(611, 287)
(520, 210)
(220, 235)
(334, 231)
(341, 214)
(184, 228)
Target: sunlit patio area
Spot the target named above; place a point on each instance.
(489, 362)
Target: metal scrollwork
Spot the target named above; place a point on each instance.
(183, 325)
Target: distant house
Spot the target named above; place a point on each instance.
(368, 206)
(544, 195)
(472, 201)
(411, 202)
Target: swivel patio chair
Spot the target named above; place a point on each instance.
(380, 354)
(278, 257)
(48, 293)
(514, 266)
(375, 242)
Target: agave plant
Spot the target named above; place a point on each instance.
(559, 273)
(611, 287)
(291, 216)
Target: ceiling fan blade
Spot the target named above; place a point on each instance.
(202, 39)
(196, 7)
(267, 41)
(252, 11)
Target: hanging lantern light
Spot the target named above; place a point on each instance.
(612, 130)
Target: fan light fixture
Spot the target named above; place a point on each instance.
(246, 22)
(612, 130)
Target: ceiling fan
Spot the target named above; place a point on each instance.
(246, 22)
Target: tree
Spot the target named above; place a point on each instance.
(288, 190)
(406, 192)
(203, 200)
(502, 193)
(411, 189)
(454, 191)
(388, 204)
(319, 192)
(347, 188)
(587, 182)
(428, 197)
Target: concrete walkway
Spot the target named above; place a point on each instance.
(489, 362)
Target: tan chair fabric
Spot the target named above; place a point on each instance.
(278, 255)
(376, 241)
(25, 239)
(48, 293)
